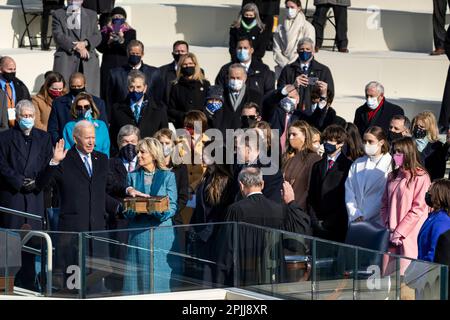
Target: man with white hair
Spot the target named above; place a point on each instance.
(24, 154)
(376, 111)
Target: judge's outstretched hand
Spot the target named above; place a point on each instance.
(59, 153)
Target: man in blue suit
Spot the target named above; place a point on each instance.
(60, 114)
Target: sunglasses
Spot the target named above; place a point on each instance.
(84, 107)
(249, 117)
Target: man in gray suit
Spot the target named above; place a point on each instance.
(76, 34)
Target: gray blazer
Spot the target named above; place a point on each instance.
(344, 3)
(66, 61)
(4, 125)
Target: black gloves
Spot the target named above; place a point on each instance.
(29, 185)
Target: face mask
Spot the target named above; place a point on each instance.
(248, 21)
(292, 13)
(399, 158)
(236, 85)
(135, 96)
(128, 152)
(371, 149)
(247, 122)
(26, 123)
(176, 57)
(88, 115)
(188, 71)
(288, 104)
(74, 92)
(134, 60)
(394, 136)
(372, 102)
(167, 150)
(322, 104)
(9, 77)
(243, 55)
(428, 200)
(419, 133)
(54, 93)
(119, 21)
(329, 148)
(305, 55)
(213, 107)
(316, 147)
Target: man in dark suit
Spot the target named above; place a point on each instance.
(376, 111)
(14, 89)
(169, 71)
(259, 76)
(224, 104)
(4, 125)
(326, 196)
(117, 86)
(439, 13)
(60, 113)
(304, 73)
(137, 109)
(444, 115)
(24, 154)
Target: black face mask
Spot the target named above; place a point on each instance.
(428, 200)
(74, 92)
(248, 121)
(176, 57)
(134, 60)
(419, 133)
(128, 152)
(248, 20)
(394, 136)
(9, 77)
(188, 71)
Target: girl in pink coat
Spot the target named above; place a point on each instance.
(403, 207)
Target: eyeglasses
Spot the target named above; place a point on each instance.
(250, 117)
(84, 107)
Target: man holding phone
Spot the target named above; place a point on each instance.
(304, 74)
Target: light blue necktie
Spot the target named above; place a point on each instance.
(88, 166)
(137, 112)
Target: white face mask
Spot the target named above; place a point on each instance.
(236, 85)
(292, 13)
(371, 149)
(372, 102)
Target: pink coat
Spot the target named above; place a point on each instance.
(404, 210)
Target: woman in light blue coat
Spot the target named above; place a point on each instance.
(151, 178)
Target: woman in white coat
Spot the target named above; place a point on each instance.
(287, 35)
(367, 178)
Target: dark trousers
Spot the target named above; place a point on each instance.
(439, 10)
(444, 115)
(268, 22)
(340, 18)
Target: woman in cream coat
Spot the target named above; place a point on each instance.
(367, 178)
(287, 35)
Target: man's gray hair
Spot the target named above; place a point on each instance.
(80, 126)
(24, 104)
(376, 85)
(237, 66)
(127, 130)
(305, 40)
(135, 74)
(251, 177)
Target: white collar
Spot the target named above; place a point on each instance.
(252, 193)
(335, 157)
(137, 67)
(82, 155)
(247, 65)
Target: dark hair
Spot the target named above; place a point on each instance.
(252, 105)
(412, 162)
(180, 42)
(380, 135)
(135, 43)
(315, 94)
(297, 2)
(51, 78)
(355, 148)
(244, 38)
(440, 194)
(407, 122)
(335, 133)
(194, 116)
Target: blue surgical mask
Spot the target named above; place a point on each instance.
(118, 21)
(135, 96)
(243, 55)
(305, 55)
(26, 123)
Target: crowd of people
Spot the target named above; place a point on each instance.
(94, 135)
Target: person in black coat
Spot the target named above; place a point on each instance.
(189, 90)
(137, 109)
(224, 105)
(60, 113)
(259, 76)
(326, 195)
(169, 71)
(4, 125)
(24, 154)
(305, 72)
(249, 25)
(116, 36)
(117, 87)
(442, 252)
(376, 111)
(444, 115)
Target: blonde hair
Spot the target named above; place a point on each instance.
(430, 124)
(198, 75)
(154, 147)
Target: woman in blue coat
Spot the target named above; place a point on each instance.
(438, 221)
(155, 179)
(84, 108)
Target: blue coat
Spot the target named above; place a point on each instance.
(436, 224)
(60, 115)
(138, 267)
(101, 136)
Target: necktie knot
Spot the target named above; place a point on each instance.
(330, 164)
